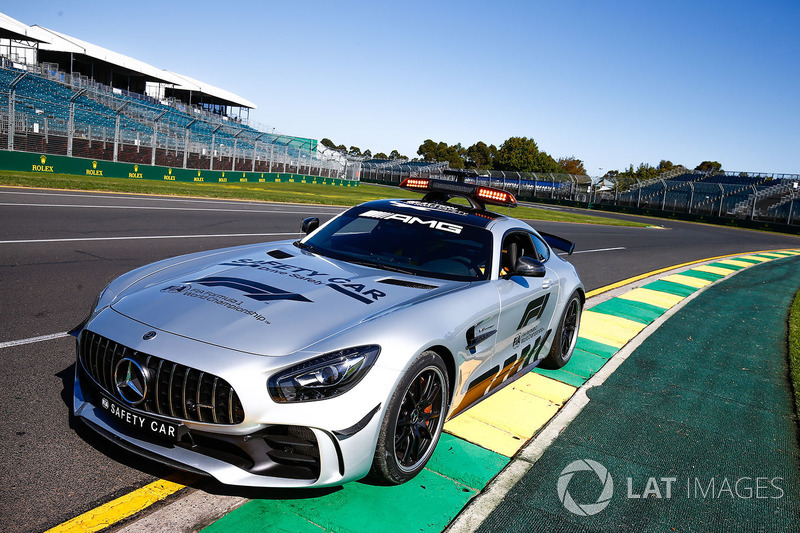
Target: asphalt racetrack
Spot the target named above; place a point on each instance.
(58, 249)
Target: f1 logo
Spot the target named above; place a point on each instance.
(534, 311)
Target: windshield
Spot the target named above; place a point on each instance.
(418, 244)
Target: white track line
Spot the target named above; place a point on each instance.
(148, 198)
(595, 250)
(145, 237)
(598, 250)
(158, 208)
(32, 340)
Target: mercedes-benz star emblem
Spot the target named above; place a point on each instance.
(131, 381)
(149, 335)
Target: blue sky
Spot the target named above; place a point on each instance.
(612, 83)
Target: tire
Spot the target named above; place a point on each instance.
(413, 421)
(566, 334)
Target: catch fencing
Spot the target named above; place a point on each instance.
(46, 111)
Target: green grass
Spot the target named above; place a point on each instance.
(794, 350)
(306, 193)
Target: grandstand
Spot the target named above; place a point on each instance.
(757, 196)
(61, 95)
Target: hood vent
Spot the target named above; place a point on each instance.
(410, 284)
(279, 254)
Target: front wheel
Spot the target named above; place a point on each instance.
(413, 421)
(566, 334)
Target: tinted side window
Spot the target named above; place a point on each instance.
(542, 251)
(515, 245)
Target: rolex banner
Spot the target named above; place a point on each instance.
(90, 168)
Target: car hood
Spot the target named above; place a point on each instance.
(273, 300)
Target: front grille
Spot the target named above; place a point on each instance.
(174, 390)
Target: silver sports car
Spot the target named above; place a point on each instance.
(320, 361)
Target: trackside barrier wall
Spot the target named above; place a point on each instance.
(75, 166)
(762, 225)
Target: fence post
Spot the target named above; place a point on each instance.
(186, 141)
(791, 207)
(11, 125)
(235, 143)
(255, 150)
(71, 123)
(664, 198)
(691, 197)
(12, 95)
(755, 201)
(639, 188)
(116, 125)
(721, 197)
(155, 137)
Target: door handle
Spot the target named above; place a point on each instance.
(547, 283)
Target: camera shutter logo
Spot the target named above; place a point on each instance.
(585, 509)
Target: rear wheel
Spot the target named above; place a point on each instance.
(566, 334)
(413, 421)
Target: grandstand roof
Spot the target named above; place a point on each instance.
(191, 84)
(13, 29)
(61, 42)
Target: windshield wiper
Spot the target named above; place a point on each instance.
(309, 247)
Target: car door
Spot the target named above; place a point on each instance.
(527, 306)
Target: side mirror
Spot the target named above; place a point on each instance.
(529, 268)
(309, 225)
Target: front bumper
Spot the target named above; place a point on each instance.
(321, 444)
(275, 456)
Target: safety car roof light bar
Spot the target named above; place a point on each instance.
(442, 190)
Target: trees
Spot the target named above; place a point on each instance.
(516, 154)
(709, 166)
(480, 156)
(571, 165)
(433, 151)
(523, 155)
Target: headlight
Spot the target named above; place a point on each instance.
(323, 377)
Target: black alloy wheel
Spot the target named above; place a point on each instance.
(413, 421)
(419, 418)
(566, 335)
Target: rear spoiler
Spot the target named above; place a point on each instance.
(558, 243)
